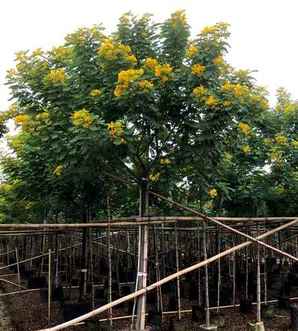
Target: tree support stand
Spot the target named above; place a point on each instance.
(142, 258)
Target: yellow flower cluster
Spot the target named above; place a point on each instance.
(261, 101)
(197, 69)
(154, 177)
(295, 143)
(111, 50)
(22, 119)
(145, 85)
(37, 52)
(125, 77)
(163, 71)
(191, 51)
(212, 193)
(246, 149)
(211, 101)
(82, 118)
(165, 161)
(215, 29)
(179, 17)
(21, 56)
(218, 60)
(95, 93)
(237, 89)
(244, 128)
(58, 170)
(280, 139)
(61, 53)
(276, 156)
(150, 63)
(200, 91)
(115, 129)
(56, 76)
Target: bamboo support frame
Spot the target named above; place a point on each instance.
(168, 278)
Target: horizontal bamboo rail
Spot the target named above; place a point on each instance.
(166, 279)
(141, 221)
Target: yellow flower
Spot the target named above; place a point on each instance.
(212, 193)
(82, 118)
(179, 17)
(218, 60)
(21, 56)
(146, 85)
(246, 149)
(227, 103)
(154, 177)
(244, 128)
(280, 139)
(197, 69)
(56, 76)
(37, 52)
(163, 71)
(199, 91)
(191, 51)
(211, 101)
(132, 59)
(22, 119)
(11, 72)
(208, 29)
(116, 129)
(150, 63)
(130, 75)
(61, 53)
(111, 50)
(58, 170)
(276, 156)
(294, 143)
(95, 93)
(120, 89)
(165, 161)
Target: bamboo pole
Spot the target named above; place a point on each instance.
(49, 284)
(206, 276)
(258, 284)
(178, 278)
(109, 263)
(218, 271)
(213, 220)
(166, 279)
(137, 220)
(18, 266)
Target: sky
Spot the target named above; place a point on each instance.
(264, 32)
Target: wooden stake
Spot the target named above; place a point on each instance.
(18, 267)
(167, 279)
(206, 275)
(49, 285)
(177, 269)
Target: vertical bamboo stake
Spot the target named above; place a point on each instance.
(142, 256)
(234, 276)
(18, 266)
(109, 261)
(258, 283)
(246, 273)
(218, 271)
(199, 271)
(206, 275)
(177, 269)
(49, 285)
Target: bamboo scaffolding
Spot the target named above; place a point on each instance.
(227, 227)
(167, 279)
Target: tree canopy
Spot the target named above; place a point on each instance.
(146, 101)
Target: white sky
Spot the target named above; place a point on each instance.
(264, 32)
